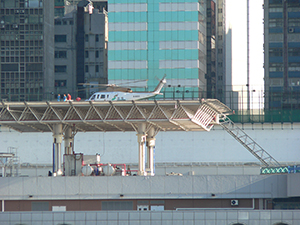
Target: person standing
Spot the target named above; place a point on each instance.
(65, 98)
(58, 97)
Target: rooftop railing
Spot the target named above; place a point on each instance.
(251, 106)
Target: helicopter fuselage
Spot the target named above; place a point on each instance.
(120, 96)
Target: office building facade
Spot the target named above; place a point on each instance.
(216, 36)
(223, 80)
(211, 48)
(282, 54)
(81, 37)
(149, 39)
(27, 56)
(61, 5)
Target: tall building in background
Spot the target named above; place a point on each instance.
(27, 56)
(81, 37)
(223, 80)
(216, 37)
(282, 54)
(231, 97)
(149, 39)
(211, 48)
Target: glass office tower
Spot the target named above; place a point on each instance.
(149, 39)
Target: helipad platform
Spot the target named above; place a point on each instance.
(89, 116)
(146, 118)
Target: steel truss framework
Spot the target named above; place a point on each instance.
(112, 116)
(127, 116)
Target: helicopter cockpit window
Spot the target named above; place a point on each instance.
(93, 97)
(107, 96)
(98, 96)
(102, 96)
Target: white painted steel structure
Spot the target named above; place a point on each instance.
(111, 116)
(146, 118)
(254, 148)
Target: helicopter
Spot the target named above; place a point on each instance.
(116, 93)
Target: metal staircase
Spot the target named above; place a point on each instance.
(254, 148)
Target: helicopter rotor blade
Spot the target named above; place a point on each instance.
(115, 85)
(131, 82)
(91, 84)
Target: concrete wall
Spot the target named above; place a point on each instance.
(201, 217)
(282, 141)
(293, 182)
(135, 187)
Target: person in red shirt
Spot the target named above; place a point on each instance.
(69, 97)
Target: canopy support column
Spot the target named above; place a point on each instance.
(57, 140)
(141, 138)
(150, 151)
(68, 138)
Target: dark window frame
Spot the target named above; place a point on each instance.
(60, 68)
(58, 38)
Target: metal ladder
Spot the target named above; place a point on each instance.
(255, 149)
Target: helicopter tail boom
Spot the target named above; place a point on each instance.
(160, 85)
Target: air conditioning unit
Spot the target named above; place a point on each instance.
(142, 207)
(234, 202)
(291, 30)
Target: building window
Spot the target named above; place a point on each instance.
(86, 68)
(294, 52)
(220, 50)
(97, 68)
(97, 38)
(39, 206)
(220, 64)
(273, 52)
(86, 37)
(220, 10)
(60, 54)
(57, 22)
(86, 54)
(220, 24)
(60, 38)
(71, 22)
(60, 69)
(60, 83)
(220, 37)
(97, 54)
(117, 205)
